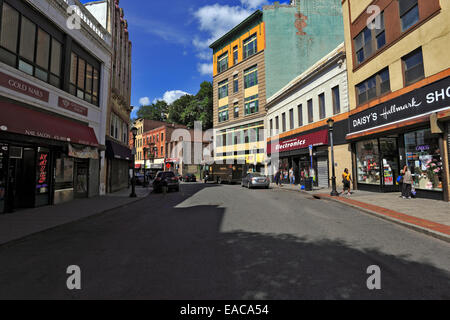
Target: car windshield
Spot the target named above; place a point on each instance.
(165, 175)
(256, 175)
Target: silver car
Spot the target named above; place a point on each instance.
(255, 180)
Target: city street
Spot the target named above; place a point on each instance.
(227, 242)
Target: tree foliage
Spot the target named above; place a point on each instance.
(186, 110)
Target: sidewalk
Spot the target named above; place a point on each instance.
(24, 223)
(427, 216)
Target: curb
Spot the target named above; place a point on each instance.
(428, 232)
(95, 215)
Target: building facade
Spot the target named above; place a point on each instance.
(118, 154)
(399, 91)
(297, 120)
(239, 93)
(53, 99)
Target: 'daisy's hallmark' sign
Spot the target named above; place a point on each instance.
(427, 99)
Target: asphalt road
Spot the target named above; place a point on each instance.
(225, 242)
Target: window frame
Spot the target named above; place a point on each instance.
(408, 11)
(378, 92)
(223, 89)
(251, 76)
(250, 40)
(310, 111)
(361, 44)
(405, 69)
(220, 59)
(300, 115)
(336, 99)
(322, 106)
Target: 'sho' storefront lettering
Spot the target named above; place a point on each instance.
(422, 101)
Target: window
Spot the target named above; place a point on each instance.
(223, 89)
(162, 136)
(162, 152)
(251, 77)
(33, 51)
(271, 126)
(235, 83)
(322, 110)
(369, 41)
(336, 100)
(250, 47)
(413, 66)
(84, 80)
(277, 123)
(300, 115)
(235, 55)
(223, 114)
(310, 111)
(373, 87)
(236, 110)
(291, 119)
(409, 13)
(283, 121)
(251, 105)
(368, 162)
(222, 64)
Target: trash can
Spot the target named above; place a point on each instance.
(309, 182)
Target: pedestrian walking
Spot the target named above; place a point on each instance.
(291, 176)
(407, 183)
(347, 180)
(278, 178)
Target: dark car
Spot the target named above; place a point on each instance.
(189, 178)
(166, 179)
(255, 180)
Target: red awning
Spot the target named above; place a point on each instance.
(138, 166)
(314, 139)
(17, 119)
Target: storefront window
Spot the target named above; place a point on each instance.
(368, 161)
(64, 173)
(423, 157)
(3, 172)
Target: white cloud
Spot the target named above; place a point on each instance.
(170, 96)
(144, 101)
(205, 69)
(254, 4)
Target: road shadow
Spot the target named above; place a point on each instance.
(155, 250)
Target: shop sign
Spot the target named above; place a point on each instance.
(83, 153)
(315, 139)
(72, 106)
(422, 101)
(23, 87)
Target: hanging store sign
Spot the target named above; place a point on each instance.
(23, 87)
(314, 139)
(83, 153)
(425, 100)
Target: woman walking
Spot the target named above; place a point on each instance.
(346, 180)
(407, 183)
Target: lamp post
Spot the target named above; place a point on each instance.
(145, 168)
(334, 192)
(134, 131)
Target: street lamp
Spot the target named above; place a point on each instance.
(134, 132)
(145, 168)
(334, 192)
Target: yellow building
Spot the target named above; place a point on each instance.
(399, 92)
(240, 93)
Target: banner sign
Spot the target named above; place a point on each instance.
(23, 87)
(72, 106)
(315, 139)
(424, 100)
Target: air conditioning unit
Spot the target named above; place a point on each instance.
(16, 153)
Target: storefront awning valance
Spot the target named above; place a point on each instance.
(117, 151)
(314, 139)
(21, 120)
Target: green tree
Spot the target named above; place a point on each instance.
(156, 111)
(177, 107)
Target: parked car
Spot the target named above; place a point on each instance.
(166, 179)
(189, 178)
(255, 180)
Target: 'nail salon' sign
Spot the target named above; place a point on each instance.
(23, 87)
(421, 101)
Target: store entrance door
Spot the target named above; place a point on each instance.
(81, 179)
(3, 175)
(22, 179)
(390, 165)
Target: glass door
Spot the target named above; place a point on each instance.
(390, 164)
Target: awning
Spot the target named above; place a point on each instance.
(21, 120)
(117, 151)
(138, 166)
(299, 142)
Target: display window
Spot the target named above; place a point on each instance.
(423, 157)
(368, 162)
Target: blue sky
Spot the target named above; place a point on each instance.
(170, 43)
